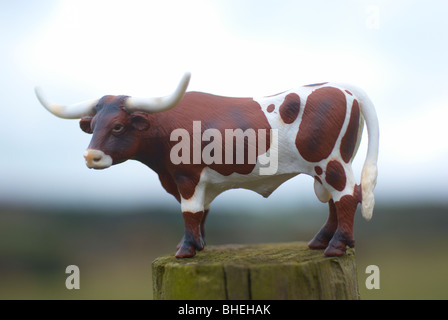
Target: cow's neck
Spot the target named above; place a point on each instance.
(154, 149)
(155, 153)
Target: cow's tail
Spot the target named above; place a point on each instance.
(369, 170)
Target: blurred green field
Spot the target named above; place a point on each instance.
(114, 250)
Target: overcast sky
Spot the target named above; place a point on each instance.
(77, 50)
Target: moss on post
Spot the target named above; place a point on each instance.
(256, 272)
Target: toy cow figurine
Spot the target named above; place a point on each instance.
(201, 145)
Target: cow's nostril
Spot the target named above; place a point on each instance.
(97, 159)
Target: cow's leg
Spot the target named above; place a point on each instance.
(323, 237)
(345, 212)
(192, 239)
(194, 213)
(202, 229)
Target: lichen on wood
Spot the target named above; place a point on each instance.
(256, 272)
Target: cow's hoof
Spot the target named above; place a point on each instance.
(334, 251)
(339, 243)
(188, 248)
(316, 243)
(198, 243)
(322, 238)
(186, 251)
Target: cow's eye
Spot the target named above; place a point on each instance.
(118, 128)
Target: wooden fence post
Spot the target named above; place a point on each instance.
(256, 272)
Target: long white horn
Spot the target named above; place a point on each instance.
(75, 111)
(159, 104)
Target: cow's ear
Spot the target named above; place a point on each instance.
(139, 121)
(85, 124)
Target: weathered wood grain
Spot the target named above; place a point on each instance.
(256, 272)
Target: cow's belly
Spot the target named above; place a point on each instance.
(214, 183)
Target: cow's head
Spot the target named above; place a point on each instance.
(116, 122)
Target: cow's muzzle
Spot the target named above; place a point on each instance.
(97, 159)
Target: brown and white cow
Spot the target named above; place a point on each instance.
(314, 129)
